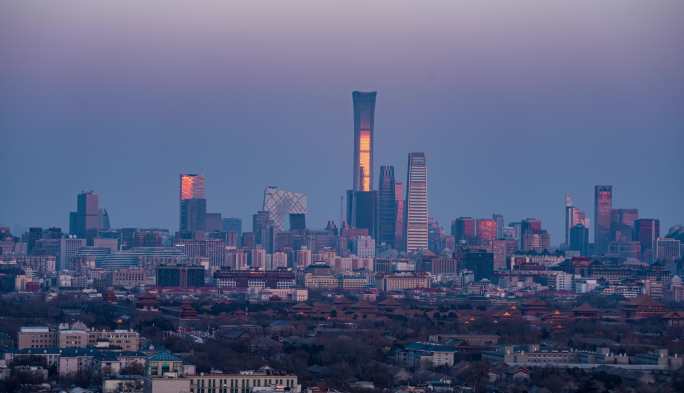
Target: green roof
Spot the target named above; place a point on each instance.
(163, 357)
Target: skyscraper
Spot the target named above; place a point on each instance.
(416, 203)
(603, 205)
(622, 224)
(193, 205)
(364, 124)
(280, 204)
(263, 227)
(362, 210)
(85, 222)
(399, 225)
(573, 216)
(579, 239)
(232, 224)
(499, 219)
(646, 232)
(387, 209)
(486, 230)
(297, 221)
(463, 229)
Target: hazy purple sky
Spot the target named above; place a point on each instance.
(514, 103)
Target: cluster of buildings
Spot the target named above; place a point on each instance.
(73, 349)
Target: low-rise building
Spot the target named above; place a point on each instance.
(402, 281)
(420, 354)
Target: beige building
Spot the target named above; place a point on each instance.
(127, 340)
(76, 335)
(72, 338)
(314, 281)
(36, 337)
(128, 277)
(402, 281)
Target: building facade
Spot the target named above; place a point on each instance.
(416, 203)
(603, 206)
(364, 126)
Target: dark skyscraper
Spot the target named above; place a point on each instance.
(232, 224)
(416, 203)
(499, 219)
(603, 206)
(463, 229)
(362, 201)
(297, 221)
(193, 205)
(387, 207)
(481, 263)
(85, 222)
(579, 239)
(364, 124)
(646, 232)
(264, 229)
(362, 210)
(399, 225)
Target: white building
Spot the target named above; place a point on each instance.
(416, 204)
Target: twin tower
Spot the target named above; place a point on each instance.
(388, 217)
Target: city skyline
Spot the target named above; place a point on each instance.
(484, 113)
(558, 238)
(180, 213)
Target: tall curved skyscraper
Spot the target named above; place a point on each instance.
(364, 124)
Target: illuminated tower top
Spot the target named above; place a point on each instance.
(191, 186)
(364, 123)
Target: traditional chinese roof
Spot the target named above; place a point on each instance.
(163, 357)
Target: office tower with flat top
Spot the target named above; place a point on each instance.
(416, 203)
(193, 205)
(387, 207)
(603, 206)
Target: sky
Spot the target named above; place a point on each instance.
(514, 103)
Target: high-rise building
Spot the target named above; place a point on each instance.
(105, 224)
(280, 204)
(463, 229)
(213, 222)
(193, 205)
(481, 263)
(486, 230)
(399, 225)
(603, 205)
(533, 237)
(86, 221)
(499, 219)
(297, 221)
(191, 186)
(622, 224)
(573, 216)
(362, 210)
(668, 249)
(579, 239)
(416, 203)
(232, 224)
(387, 206)
(364, 125)
(646, 232)
(264, 230)
(67, 250)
